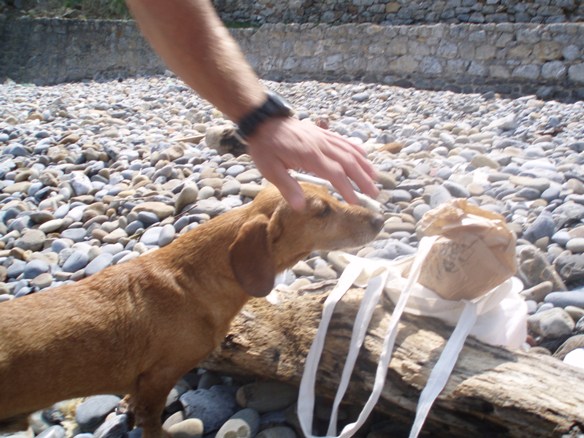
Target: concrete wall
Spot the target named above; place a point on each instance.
(509, 58)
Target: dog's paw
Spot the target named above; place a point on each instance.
(125, 407)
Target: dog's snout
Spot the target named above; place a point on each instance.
(377, 221)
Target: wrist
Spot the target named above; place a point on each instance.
(273, 106)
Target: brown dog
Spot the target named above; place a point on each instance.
(136, 328)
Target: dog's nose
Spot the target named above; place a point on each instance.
(377, 222)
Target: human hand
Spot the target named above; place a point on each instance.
(286, 143)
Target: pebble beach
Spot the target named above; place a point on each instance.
(97, 173)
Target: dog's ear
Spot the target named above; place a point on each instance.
(251, 257)
(277, 219)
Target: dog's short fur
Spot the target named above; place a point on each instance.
(136, 328)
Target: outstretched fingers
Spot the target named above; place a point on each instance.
(287, 143)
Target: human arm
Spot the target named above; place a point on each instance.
(192, 41)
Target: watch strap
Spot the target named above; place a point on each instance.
(273, 106)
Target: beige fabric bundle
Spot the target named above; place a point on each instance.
(474, 253)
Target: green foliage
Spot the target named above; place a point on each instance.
(99, 8)
(105, 9)
(240, 24)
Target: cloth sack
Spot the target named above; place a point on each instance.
(473, 253)
(473, 240)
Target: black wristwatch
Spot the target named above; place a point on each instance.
(274, 106)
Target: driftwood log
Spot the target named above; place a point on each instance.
(492, 392)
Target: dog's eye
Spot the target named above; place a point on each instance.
(325, 210)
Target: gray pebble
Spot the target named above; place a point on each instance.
(210, 206)
(213, 406)
(564, 299)
(456, 190)
(571, 344)
(189, 428)
(93, 411)
(570, 267)
(16, 268)
(115, 426)
(325, 272)
(399, 195)
(208, 379)
(100, 262)
(32, 240)
(167, 234)
(53, 432)
(561, 237)
(175, 418)
(206, 192)
(147, 218)
(188, 195)
(249, 176)
(543, 226)
(277, 432)
(35, 267)
(243, 424)
(576, 245)
(551, 323)
(438, 195)
(151, 236)
(235, 170)
(74, 234)
(42, 281)
(76, 261)
(266, 396)
(538, 292)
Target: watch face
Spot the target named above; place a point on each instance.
(279, 106)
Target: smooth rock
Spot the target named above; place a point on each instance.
(212, 406)
(160, 209)
(35, 267)
(53, 432)
(99, 263)
(571, 344)
(576, 245)
(551, 323)
(243, 424)
(75, 234)
(76, 261)
(570, 267)
(116, 426)
(575, 358)
(32, 240)
(189, 428)
(167, 234)
(564, 299)
(92, 412)
(277, 432)
(42, 281)
(266, 396)
(188, 195)
(543, 226)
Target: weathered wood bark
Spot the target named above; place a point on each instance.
(492, 392)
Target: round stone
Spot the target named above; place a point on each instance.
(243, 424)
(189, 428)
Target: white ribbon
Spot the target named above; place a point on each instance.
(372, 294)
(378, 271)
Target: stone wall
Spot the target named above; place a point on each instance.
(514, 59)
(401, 11)
(51, 51)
